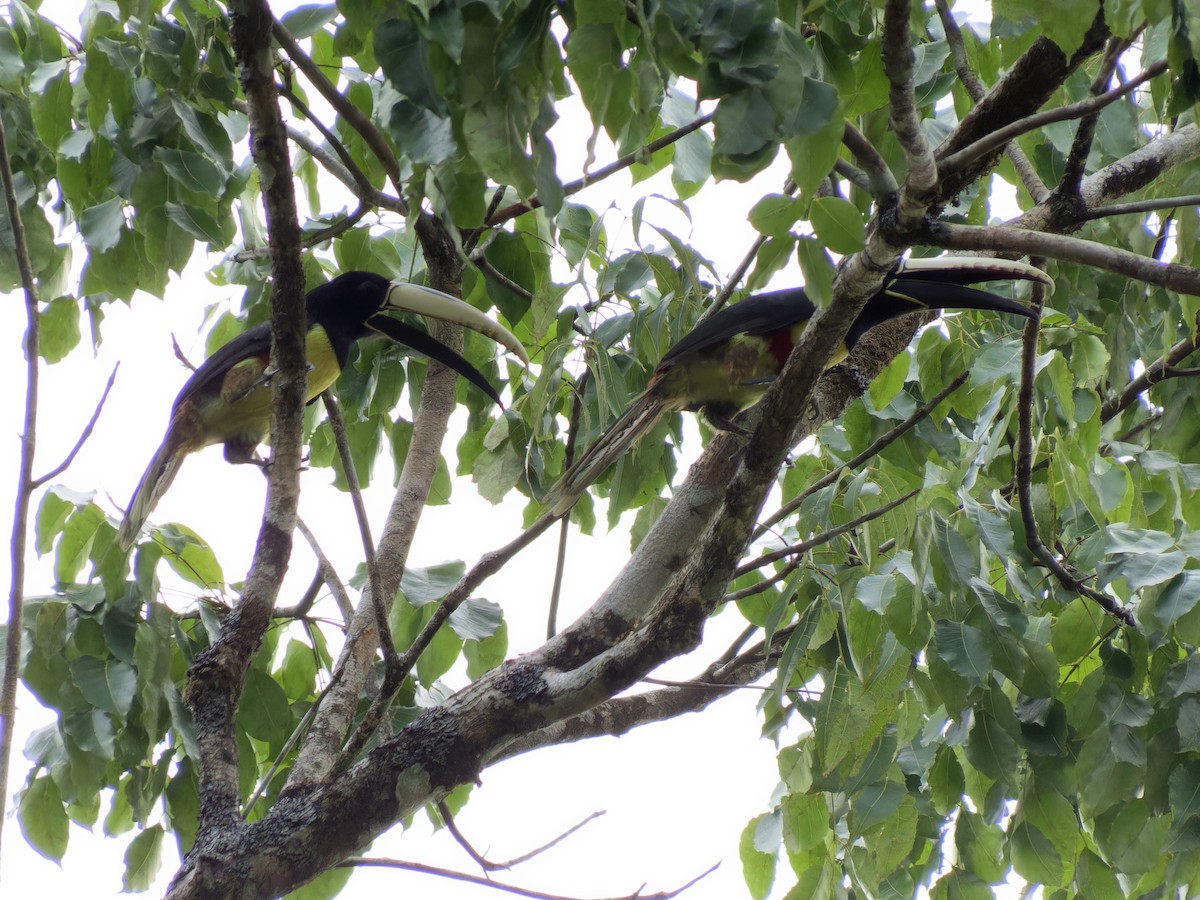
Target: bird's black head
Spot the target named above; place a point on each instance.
(343, 305)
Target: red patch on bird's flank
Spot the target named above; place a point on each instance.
(780, 344)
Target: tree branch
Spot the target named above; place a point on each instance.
(216, 677)
(379, 600)
(892, 434)
(1033, 539)
(574, 187)
(83, 436)
(975, 90)
(19, 537)
(509, 888)
(920, 184)
(956, 162)
(1023, 242)
(354, 117)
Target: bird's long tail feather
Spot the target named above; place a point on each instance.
(157, 478)
(639, 418)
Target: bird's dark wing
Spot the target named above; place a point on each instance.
(418, 340)
(757, 315)
(207, 379)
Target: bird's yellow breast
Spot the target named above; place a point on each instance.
(245, 414)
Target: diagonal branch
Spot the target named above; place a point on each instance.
(355, 117)
(83, 436)
(379, 603)
(1023, 242)
(875, 447)
(365, 861)
(574, 187)
(956, 162)
(975, 90)
(920, 185)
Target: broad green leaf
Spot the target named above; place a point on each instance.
(263, 711)
(142, 860)
(42, 818)
(107, 683)
(838, 224)
(758, 868)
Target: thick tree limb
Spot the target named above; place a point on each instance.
(216, 678)
(976, 91)
(922, 178)
(1020, 241)
(954, 163)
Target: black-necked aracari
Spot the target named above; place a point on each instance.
(727, 362)
(228, 399)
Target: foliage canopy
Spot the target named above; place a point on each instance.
(986, 619)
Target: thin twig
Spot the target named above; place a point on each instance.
(892, 434)
(1158, 371)
(487, 565)
(823, 538)
(956, 162)
(328, 573)
(337, 425)
(21, 504)
(489, 866)
(285, 751)
(354, 117)
(378, 862)
(304, 605)
(1075, 166)
(1140, 206)
(560, 561)
(86, 433)
(1024, 465)
(574, 187)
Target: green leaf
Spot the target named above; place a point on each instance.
(50, 97)
(964, 650)
(106, 683)
(775, 214)
(191, 558)
(839, 225)
(43, 819)
(263, 711)
(101, 225)
(476, 619)
(818, 271)
(1034, 857)
(758, 868)
(305, 21)
(805, 822)
(199, 223)
(193, 171)
(142, 860)
(58, 329)
(422, 586)
(946, 781)
(744, 123)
